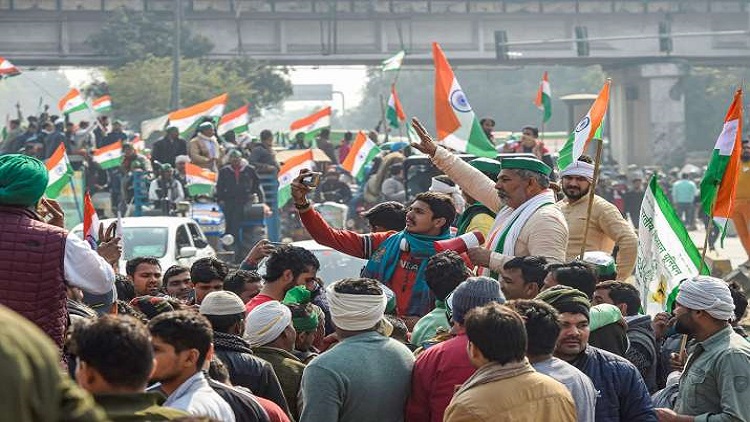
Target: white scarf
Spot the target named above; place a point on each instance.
(353, 312)
(517, 218)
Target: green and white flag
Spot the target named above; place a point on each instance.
(666, 254)
(394, 63)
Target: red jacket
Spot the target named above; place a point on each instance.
(32, 278)
(437, 374)
(362, 246)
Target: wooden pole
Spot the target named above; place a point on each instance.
(383, 122)
(709, 229)
(592, 192)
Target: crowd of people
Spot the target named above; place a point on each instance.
(520, 326)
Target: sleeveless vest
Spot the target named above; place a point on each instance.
(32, 279)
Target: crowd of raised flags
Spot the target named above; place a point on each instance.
(666, 253)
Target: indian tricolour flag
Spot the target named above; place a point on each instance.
(666, 255)
(102, 104)
(312, 124)
(200, 181)
(544, 98)
(394, 113)
(186, 118)
(585, 130)
(7, 69)
(59, 170)
(393, 62)
(109, 156)
(362, 152)
(457, 126)
(90, 221)
(289, 170)
(71, 102)
(719, 183)
(236, 121)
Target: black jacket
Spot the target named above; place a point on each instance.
(244, 406)
(642, 350)
(247, 370)
(165, 150)
(238, 190)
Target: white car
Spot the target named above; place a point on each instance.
(173, 240)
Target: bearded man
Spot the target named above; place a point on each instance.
(607, 226)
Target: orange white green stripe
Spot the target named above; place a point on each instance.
(584, 130)
(289, 170)
(102, 104)
(200, 181)
(59, 170)
(311, 125)
(236, 121)
(719, 183)
(7, 69)
(71, 102)
(184, 119)
(544, 98)
(109, 156)
(394, 113)
(457, 126)
(362, 152)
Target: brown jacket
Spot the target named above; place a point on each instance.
(530, 397)
(200, 154)
(608, 228)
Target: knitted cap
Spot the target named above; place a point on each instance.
(222, 303)
(566, 299)
(472, 293)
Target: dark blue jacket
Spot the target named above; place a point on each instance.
(621, 393)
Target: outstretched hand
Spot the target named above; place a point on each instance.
(426, 144)
(299, 189)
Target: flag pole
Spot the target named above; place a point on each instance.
(75, 199)
(592, 191)
(383, 122)
(709, 229)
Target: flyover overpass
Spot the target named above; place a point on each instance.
(647, 113)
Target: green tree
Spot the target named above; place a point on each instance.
(141, 90)
(130, 35)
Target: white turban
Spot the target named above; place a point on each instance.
(710, 294)
(579, 168)
(453, 191)
(266, 322)
(182, 159)
(352, 312)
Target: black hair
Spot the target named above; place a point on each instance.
(358, 286)
(118, 347)
(396, 169)
(621, 292)
(391, 215)
(173, 271)
(498, 332)
(740, 300)
(400, 332)
(205, 270)
(533, 268)
(348, 136)
(133, 264)
(444, 272)
(576, 274)
(542, 325)
(125, 289)
(441, 205)
(222, 323)
(265, 134)
(325, 132)
(487, 119)
(533, 129)
(184, 330)
(217, 371)
(288, 257)
(235, 282)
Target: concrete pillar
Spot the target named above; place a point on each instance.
(281, 36)
(647, 114)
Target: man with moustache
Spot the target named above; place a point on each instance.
(741, 213)
(622, 394)
(527, 221)
(607, 227)
(715, 384)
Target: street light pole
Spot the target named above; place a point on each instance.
(176, 54)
